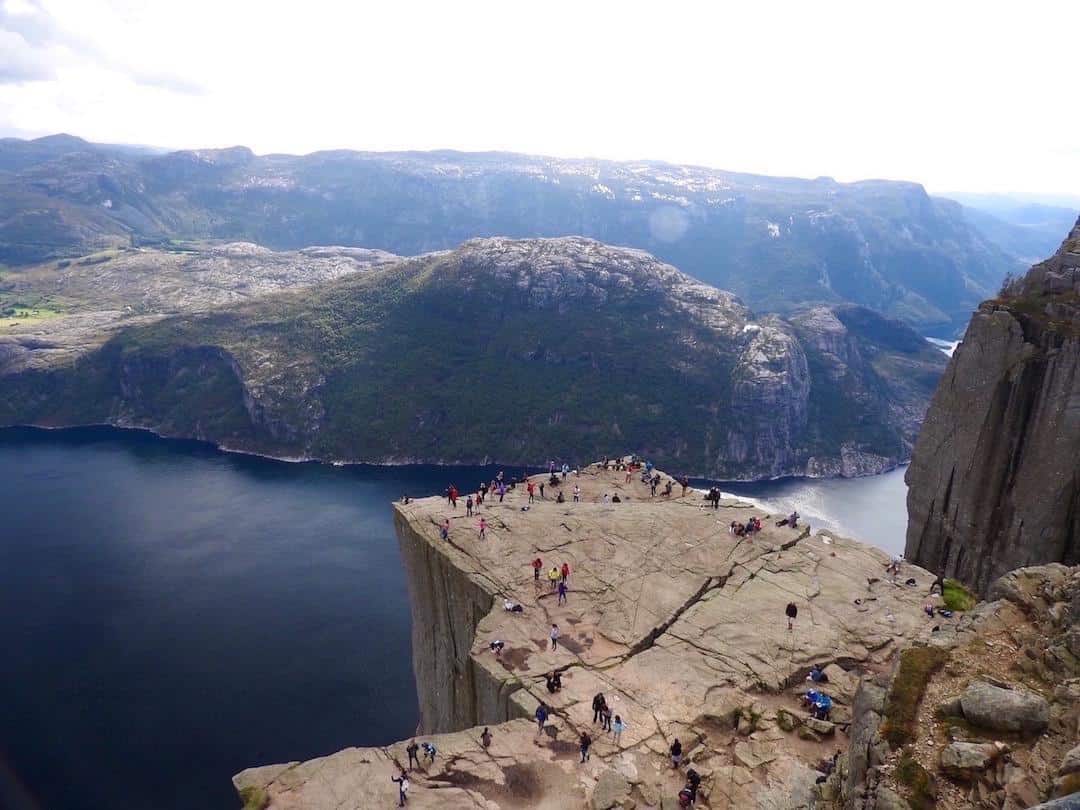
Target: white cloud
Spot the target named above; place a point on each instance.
(954, 95)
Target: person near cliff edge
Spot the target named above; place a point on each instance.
(403, 788)
(676, 753)
(598, 704)
(483, 528)
(485, 739)
(444, 530)
(554, 637)
(791, 611)
(562, 592)
(429, 751)
(411, 751)
(468, 506)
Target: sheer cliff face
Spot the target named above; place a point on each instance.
(564, 347)
(995, 478)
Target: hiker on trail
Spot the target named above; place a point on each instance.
(485, 739)
(562, 592)
(537, 564)
(667, 489)
(554, 637)
(529, 488)
(560, 498)
(553, 578)
(605, 718)
(429, 751)
(483, 528)
(411, 751)
(676, 753)
(577, 493)
(468, 506)
(684, 482)
(403, 788)
(791, 611)
(444, 530)
(541, 718)
(617, 729)
(542, 491)
(584, 744)
(693, 782)
(598, 704)
(564, 572)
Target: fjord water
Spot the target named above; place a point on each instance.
(170, 614)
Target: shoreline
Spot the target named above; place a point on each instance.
(414, 462)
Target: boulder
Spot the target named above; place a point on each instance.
(993, 707)
(1071, 762)
(612, 791)
(786, 720)
(966, 760)
(822, 727)
(807, 733)
(886, 799)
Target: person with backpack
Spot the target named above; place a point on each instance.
(429, 751)
(403, 788)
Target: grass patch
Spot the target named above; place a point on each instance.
(254, 798)
(917, 664)
(9, 316)
(957, 597)
(918, 781)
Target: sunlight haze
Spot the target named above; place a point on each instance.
(958, 96)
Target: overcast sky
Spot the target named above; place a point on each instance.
(979, 96)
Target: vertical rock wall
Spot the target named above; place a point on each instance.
(447, 605)
(995, 477)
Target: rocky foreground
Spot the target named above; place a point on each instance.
(679, 623)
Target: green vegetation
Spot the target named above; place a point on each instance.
(254, 798)
(917, 664)
(917, 780)
(957, 597)
(14, 314)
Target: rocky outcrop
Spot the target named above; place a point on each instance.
(679, 623)
(994, 482)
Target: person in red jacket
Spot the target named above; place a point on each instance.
(537, 564)
(565, 571)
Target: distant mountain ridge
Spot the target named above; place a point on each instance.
(779, 243)
(506, 350)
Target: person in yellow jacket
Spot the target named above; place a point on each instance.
(554, 577)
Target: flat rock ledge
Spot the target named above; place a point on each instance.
(678, 622)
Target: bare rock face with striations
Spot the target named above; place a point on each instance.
(995, 478)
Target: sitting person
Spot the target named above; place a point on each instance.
(817, 674)
(497, 646)
(513, 607)
(554, 681)
(561, 498)
(616, 499)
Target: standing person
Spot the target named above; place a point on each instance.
(403, 788)
(411, 751)
(554, 637)
(429, 751)
(542, 491)
(485, 739)
(617, 729)
(791, 611)
(502, 491)
(584, 744)
(562, 592)
(598, 704)
(453, 496)
(444, 530)
(483, 528)
(577, 493)
(468, 506)
(553, 578)
(537, 564)
(530, 488)
(564, 572)
(565, 470)
(605, 718)
(676, 753)
(541, 718)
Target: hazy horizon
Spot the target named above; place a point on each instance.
(922, 92)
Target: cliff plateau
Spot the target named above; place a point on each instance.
(677, 621)
(994, 480)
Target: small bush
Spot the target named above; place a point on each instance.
(917, 664)
(916, 779)
(957, 597)
(254, 798)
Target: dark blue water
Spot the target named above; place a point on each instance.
(170, 615)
